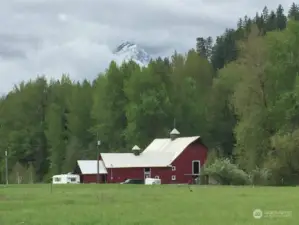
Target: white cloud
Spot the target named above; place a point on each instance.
(52, 37)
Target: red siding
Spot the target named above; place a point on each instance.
(163, 173)
(90, 178)
(117, 175)
(121, 174)
(183, 164)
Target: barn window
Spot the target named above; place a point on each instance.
(173, 177)
(157, 177)
(147, 170)
(173, 168)
(195, 167)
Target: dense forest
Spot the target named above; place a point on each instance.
(240, 94)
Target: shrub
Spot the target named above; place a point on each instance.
(227, 173)
(260, 176)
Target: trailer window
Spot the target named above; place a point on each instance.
(57, 179)
(72, 179)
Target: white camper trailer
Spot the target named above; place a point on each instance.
(66, 179)
(151, 181)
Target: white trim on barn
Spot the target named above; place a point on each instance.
(195, 161)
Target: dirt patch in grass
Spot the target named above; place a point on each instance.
(104, 197)
(69, 202)
(3, 198)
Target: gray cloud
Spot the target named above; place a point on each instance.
(11, 53)
(14, 46)
(52, 37)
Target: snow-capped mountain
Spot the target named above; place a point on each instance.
(130, 51)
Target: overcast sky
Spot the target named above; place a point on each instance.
(52, 37)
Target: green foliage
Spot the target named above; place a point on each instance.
(21, 174)
(285, 154)
(260, 176)
(227, 173)
(240, 94)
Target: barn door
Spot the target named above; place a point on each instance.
(196, 167)
(147, 173)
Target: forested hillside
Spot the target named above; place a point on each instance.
(241, 95)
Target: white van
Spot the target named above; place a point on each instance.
(66, 179)
(151, 181)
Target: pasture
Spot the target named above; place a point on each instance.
(92, 204)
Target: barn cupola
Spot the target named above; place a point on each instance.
(174, 134)
(136, 150)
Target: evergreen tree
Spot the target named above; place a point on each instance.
(265, 14)
(204, 47)
(272, 22)
(281, 20)
(294, 12)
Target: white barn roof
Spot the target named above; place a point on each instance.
(166, 145)
(160, 153)
(90, 167)
(125, 160)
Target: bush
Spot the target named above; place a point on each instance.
(21, 174)
(227, 173)
(260, 176)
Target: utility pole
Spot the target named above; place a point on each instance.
(6, 167)
(98, 159)
(111, 173)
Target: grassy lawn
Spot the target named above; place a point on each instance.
(147, 205)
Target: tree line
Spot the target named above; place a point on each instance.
(240, 94)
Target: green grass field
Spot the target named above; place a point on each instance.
(147, 205)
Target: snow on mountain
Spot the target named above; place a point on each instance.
(129, 51)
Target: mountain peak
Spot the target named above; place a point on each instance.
(126, 44)
(130, 51)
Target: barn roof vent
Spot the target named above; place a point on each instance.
(136, 150)
(174, 134)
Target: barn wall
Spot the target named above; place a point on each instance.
(121, 174)
(183, 164)
(117, 175)
(195, 151)
(90, 178)
(163, 173)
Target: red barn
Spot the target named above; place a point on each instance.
(173, 160)
(87, 169)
